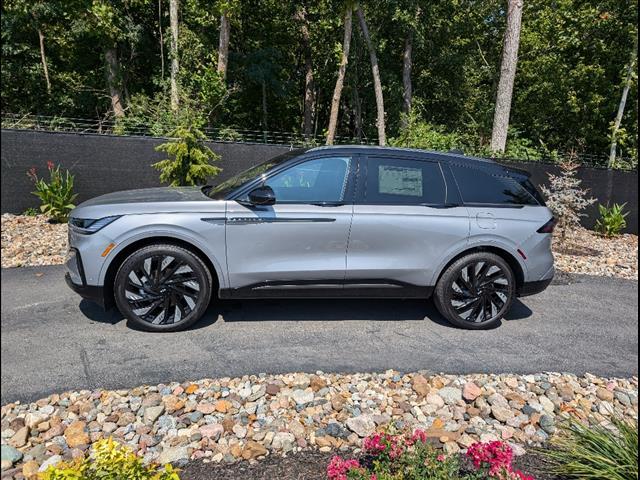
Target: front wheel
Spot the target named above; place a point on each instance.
(163, 288)
(476, 291)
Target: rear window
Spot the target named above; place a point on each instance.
(479, 186)
(399, 181)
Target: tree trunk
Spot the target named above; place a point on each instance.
(43, 58)
(406, 80)
(309, 84)
(113, 81)
(507, 76)
(264, 108)
(357, 104)
(175, 65)
(337, 92)
(223, 45)
(377, 85)
(623, 102)
(161, 39)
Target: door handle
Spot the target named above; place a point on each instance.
(329, 204)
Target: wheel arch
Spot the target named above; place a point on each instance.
(120, 257)
(511, 260)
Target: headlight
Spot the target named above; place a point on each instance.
(89, 225)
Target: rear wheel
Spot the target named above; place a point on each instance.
(163, 288)
(476, 291)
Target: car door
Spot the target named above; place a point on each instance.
(296, 247)
(405, 222)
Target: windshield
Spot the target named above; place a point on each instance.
(221, 190)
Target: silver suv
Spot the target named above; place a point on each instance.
(325, 222)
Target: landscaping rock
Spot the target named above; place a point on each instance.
(229, 419)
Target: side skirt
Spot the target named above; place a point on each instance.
(329, 289)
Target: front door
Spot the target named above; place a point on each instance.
(298, 245)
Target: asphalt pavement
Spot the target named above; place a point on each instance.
(52, 341)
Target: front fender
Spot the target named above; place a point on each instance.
(208, 240)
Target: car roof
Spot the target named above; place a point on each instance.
(402, 151)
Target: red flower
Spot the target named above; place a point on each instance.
(50, 165)
(31, 173)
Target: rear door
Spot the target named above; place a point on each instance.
(405, 222)
(296, 247)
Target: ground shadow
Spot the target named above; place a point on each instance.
(309, 310)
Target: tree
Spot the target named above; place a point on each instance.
(309, 86)
(566, 198)
(377, 84)
(507, 76)
(191, 162)
(623, 101)
(342, 69)
(175, 64)
(224, 38)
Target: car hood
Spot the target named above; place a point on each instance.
(148, 201)
(149, 195)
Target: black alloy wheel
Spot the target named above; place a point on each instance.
(476, 291)
(163, 288)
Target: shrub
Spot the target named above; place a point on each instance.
(612, 220)
(190, 164)
(595, 453)
(56, 196)
(565, 197)
(109, 460)
(403, 457)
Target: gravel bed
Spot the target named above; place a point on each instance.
(32, 241)
(585, 252)
(224, 421)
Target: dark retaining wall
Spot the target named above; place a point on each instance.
(104, 163)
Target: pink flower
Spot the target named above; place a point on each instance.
(50, 165)
(441, 458)
(338, 468)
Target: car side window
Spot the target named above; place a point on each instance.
(478, 186)
(319, 180)
(397, 181)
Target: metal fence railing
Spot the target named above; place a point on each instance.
(112, 127)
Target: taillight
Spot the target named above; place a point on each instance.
(549, 226)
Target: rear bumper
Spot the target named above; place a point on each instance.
(531, 288)
(88, 292)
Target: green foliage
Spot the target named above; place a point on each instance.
(421, 134)
(56, 196)
(568, 83)
(30, 212)
(594, 453)
(156, 116)
(612, 220)
(109, 461)
(189, 159)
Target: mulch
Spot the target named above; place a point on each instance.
(312, 465)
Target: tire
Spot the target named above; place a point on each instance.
(467, 300)
(169, 298)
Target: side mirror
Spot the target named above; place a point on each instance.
(263, 195)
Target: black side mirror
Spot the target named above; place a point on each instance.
(263, 195)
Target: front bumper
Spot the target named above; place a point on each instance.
(88, 292)
(76, 279)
